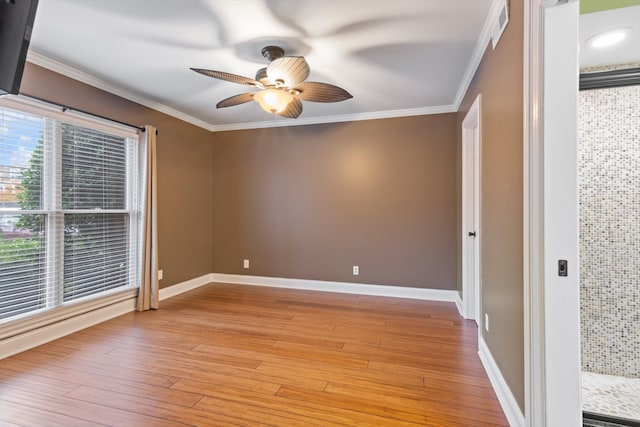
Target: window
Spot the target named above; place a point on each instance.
(69, 209)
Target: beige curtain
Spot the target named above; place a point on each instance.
(149, 289)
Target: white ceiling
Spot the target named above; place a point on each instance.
(396, 57)
(592, 24)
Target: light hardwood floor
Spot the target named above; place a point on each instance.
(227, 355)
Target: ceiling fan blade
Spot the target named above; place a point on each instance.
(293, 110)
(233, 78)
(321, 92)
(292, 70)
(235, 100)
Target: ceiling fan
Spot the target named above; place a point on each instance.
(282, 85)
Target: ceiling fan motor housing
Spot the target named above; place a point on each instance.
(272, 52)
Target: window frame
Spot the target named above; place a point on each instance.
(55, 308)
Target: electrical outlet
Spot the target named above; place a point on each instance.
(356, 270)
(486, 322)
(246, 263)
(160, 274)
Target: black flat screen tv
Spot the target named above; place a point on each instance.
(16, 25)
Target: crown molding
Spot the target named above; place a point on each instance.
(478, 52)
(84, 77)
(338, 118)
(81, 76)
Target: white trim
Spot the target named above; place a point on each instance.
(478, 52)
(341, 287)
(180, 288)
(81, 76)
(472, 152)
(375, 115)
(510, 407)
(36, 337)
(32, 321)
(22, 336)
(84, 77)
(560, 222)
(458, 301)
(40, 334)
(533, 184)
(550, 386)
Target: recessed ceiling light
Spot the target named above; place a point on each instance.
(609, 38)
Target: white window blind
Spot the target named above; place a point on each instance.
(69, 211)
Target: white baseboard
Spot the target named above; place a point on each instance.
(507, 401)
(42, 335)
(341, 287)
(459, 305)
(179, 288)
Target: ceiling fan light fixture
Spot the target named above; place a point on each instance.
(273, 100)
(282, 85)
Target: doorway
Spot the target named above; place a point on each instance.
(609, 172)
(552, 309)
(609, 210)
(471, 149)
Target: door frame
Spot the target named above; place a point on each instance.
(551, 303)
(471, 160)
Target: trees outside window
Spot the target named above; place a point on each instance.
(69, 223)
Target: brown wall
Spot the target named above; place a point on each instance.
(309, 202)
(500, 81)
(184, 170)
(302, 202)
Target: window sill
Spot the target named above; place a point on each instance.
(42, 318)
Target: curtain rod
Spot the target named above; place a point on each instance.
(66, 108)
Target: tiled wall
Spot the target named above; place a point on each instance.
(609, 164)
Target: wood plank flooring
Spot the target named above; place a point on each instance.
(228, 355)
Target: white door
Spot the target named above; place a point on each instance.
(471, 138)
